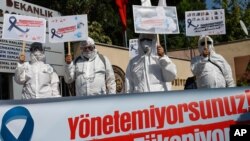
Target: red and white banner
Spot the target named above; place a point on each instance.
(191, 115)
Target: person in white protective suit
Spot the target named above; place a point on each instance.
(92, 72)
(39, 80)
(211, 69)
(151, 70)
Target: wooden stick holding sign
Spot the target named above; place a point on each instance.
(158, 39)
(69, 49)
(23, 47)
(205, 41)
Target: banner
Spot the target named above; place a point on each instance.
(26, 28)
(155, 19)
(191, 115)
(68, 28)
(205, 22)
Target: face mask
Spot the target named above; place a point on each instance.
(146, 45)
(88, 55)
(201, 48)
(37, 56)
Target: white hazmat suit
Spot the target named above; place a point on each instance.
(92, 74)
(39, 80)
(148, 72)
(212, 71)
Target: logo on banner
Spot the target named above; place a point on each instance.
(16, 113)
(53, 32)
(13, 22)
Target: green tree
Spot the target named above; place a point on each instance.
(180, 41)
(95, 30)
(105, 13)
(235, 10)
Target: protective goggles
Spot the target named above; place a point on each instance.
(36, 48)
(145, 39)
(85, 48)
(203, 43)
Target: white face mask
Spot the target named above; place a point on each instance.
(202, 48)
(37, 56)
(88, 54)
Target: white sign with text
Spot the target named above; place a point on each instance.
(26, 28)
(68, 28)
(155, 19)
(205, 22)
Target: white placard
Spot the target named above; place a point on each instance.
(68, 28)
(205, 22)
(155, 19)
(133, 48)
(26, 28)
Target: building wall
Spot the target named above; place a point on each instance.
(231, 51)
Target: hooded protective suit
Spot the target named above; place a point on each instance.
(212, 71)
(39, 80)
(92, 75)
(148, 72)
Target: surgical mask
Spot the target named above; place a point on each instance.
(37, 56)
(88, 54)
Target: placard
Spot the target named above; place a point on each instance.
(205, 22)
(68, 28)
(25, 28)
(155, 19)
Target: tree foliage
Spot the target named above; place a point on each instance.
(235, 10)
(105, 25)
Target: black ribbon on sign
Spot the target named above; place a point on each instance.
(53, 31)
(12, 21)
(190, 23)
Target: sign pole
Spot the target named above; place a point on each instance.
(158, 39)
(69, 50)
(205, 41)
(23, 47)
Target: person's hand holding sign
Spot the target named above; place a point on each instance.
(68, 59)
(160, 51)
(22, 58)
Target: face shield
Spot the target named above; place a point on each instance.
(36, 52)
(202, 45)
(87, 48)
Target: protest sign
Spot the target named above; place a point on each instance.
(68, 28)
(155, 19)
(25, 28)
(133, 48)
(205, 22)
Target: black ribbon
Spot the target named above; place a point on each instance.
(190, 23)
(53, 31)
(12, 21)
